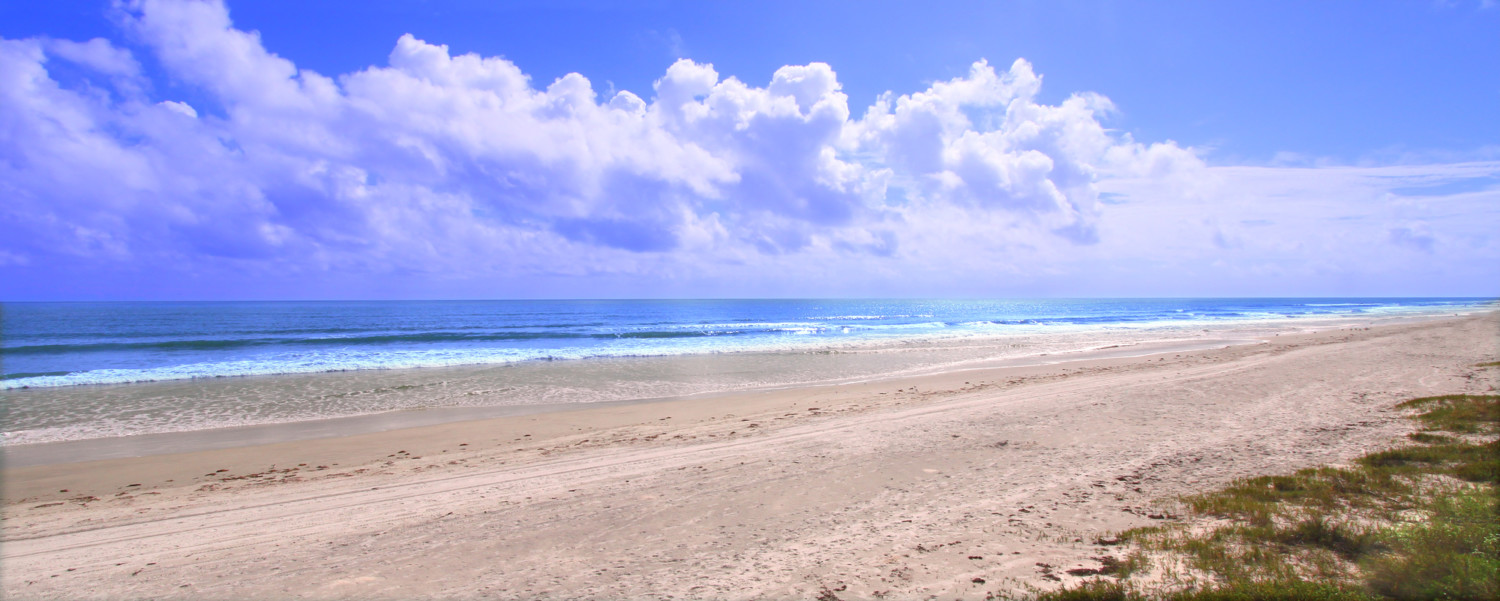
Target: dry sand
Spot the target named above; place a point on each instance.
(953, 485)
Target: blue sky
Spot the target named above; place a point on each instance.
(170, 149)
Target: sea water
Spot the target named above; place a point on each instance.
(88, 370)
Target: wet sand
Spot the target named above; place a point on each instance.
(955, 483)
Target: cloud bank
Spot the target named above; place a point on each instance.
(436, 167)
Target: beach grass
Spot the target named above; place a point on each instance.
(1420, 521)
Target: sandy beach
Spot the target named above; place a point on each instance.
(956, 485)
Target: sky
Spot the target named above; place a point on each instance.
(204, 150)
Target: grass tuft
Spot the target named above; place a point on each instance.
(1430, 438)
(1469, 413)
(1318, 531)
(1484, 466)
(1094, 590)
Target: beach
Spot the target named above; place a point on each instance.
(958, 482)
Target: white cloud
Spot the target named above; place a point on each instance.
(1034, 160)
(97, 54)
(181, 108)
(464, 168)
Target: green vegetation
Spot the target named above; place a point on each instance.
(1458, 412)
(1456, 555)
(1414, 522)
(1430, 438)
(1104, 590)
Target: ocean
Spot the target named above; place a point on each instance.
(88, 370)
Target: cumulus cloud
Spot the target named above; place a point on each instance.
(463, 166)
(296, 165)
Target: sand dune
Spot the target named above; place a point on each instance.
(955, 484)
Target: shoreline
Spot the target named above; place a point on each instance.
(1125, 342)
(890, 486)
(949, 332)
(163, 443)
